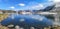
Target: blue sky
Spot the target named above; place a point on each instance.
(24, 4)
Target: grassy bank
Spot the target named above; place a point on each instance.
(3, 16)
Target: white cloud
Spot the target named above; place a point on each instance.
(37, 7)
(41, 5)
(21, 4)
(50, 0)
(56, 0)
(12, 7)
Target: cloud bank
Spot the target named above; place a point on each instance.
(56, 0)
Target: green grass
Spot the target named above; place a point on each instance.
(3, 16)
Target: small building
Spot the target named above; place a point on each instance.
(1, 12)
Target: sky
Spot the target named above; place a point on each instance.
(25, 4)
(56, 0)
